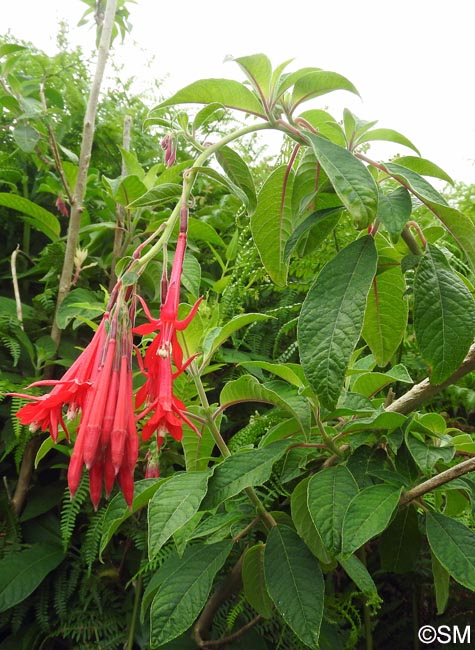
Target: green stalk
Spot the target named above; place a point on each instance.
(266, 517)
(188, 181)
(135, 611)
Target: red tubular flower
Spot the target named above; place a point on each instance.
(168, 412)
(99, 383)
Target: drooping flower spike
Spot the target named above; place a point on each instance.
(168, 412)
(99, 385)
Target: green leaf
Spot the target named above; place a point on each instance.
(271, 223)
(184, 588)
(159, 195)
(324, 221)
(38, 217)
(26, 137)
(78, 303)
(207, 114)
(287, 371)
(242, 470)
(118, 510)
(304, 523)
(232, 94)
(453, 544)
(329, 493)
(441, 583)
(400, 543)
(21, 572)
(204, 231)
(126, 190)
(444, 315)
(425, 454)
(197, 449)
(357, 571)
(253, 581)
(317, 83)
(386, 315)
(388, 135)
(218, 335)
(237, 170)
(258, 70)
(331, 318)
(394, 209)
(367, 515)
(173, 505)
(351, 180)
(295, 583)
(247, 388)
(460, 226)
(423, 167)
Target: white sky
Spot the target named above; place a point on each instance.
(412, 61)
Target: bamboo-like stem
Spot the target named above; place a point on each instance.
(16, 288)
(77, 206)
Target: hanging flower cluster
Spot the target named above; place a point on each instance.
(99, 386)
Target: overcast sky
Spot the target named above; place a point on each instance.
(412, 61)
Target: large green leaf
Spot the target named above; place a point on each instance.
(400, 543)
(38, 217)
(118, 510)
(258, 70)
(426, 454)
(423, 167)
(184, 584)
(331, 319)
(241, 471)
(125, 189)
(453, 544)
(78, 303)
(25, 136)
(232, 94)
(329, 493)
(367, 515)
(460, 226)
(173, 505)
(357, 571)
(218, 335)
(21, 572)
(321, 221)
(441, 584)
(317, 83)
(388, 135)
(159, 195)
(304, 523)
(247, 388)
(351, 180)
(394, 210)
(239, 173)
(271, 223)
(386, 315)
(253, 581)
(444, 315)
(295, 583)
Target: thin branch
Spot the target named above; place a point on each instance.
(423, 391)
(224, 640)
(54, 147)
(436, 481)
(77, 206)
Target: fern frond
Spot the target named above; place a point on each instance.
(90, 546)
(70, 510)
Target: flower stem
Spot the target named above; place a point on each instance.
(265, 516)
(139, 265)
(135, 611)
